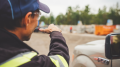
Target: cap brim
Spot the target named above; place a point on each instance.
(43, 7)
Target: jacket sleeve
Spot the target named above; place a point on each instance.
(58, 48)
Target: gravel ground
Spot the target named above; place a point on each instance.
(41, 41)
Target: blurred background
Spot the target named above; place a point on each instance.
(69, 12)
(81, 21)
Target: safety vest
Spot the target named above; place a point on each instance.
(25, 57)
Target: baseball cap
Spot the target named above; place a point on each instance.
(12, 9)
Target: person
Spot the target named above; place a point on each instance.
(70, 29)
(18, 19)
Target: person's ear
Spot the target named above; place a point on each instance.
(26, 20)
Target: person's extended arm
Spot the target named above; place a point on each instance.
(58, 44)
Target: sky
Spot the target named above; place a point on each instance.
(60, 6)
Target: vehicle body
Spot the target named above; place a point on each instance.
(37, 29)
(92, 54)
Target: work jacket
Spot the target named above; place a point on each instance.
(15, 53)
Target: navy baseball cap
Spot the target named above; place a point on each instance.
(12, 9)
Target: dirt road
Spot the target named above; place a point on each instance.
(40, 41)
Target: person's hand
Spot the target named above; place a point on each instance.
(50, 29)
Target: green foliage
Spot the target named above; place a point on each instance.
(73, 15)
(48, 20)
(61, 19)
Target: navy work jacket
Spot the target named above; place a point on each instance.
(10, 46)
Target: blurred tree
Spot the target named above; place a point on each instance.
(45, 19)
(76, 15)
(51, 19)
(69, 16)
(102, 16)
(114, 14)
(73, 15)
(61, 19)
(85, 17)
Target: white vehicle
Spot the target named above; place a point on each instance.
(92, 54)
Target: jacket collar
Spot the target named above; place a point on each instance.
(9, 40)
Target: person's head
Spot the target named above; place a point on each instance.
(21, 16)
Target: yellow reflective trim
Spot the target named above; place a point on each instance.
(59, 61)
(55, 62)
(19, 61)
(63, 61)
(30, 55)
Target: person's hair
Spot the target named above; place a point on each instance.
(12, 24)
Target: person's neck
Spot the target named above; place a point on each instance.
(17, 32)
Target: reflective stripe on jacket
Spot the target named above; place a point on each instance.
(23, 58)
(19, 59)
(59, 61)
